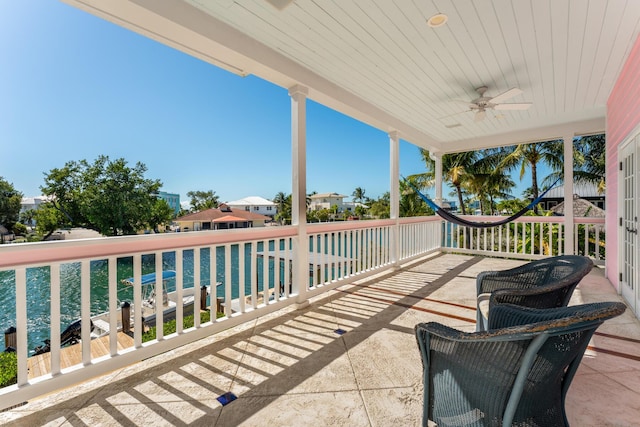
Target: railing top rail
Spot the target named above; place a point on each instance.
(38, 253)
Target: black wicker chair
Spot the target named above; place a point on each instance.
(517, 373)
(544, 283)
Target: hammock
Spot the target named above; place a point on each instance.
(443, 213)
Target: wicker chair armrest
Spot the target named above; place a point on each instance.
(452, 334)
(508, 316)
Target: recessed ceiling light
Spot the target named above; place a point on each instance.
(280, 4)
(437, 20)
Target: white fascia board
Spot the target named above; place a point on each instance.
(526, 136)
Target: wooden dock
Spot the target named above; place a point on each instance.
(72, 355)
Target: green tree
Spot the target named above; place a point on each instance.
(381, 208)
(358, 194)
(283, 202)
(531, 155)
(48, 219)
(511, 206)
(28, 216)
(410, 202)
(160, 214)
(323, 215)
(334, 211)
(19, 229)
(280, 199)
(203, 200)
(106, 196)
(360, 211)
(455, 170)
(593, 169)
(10, 200)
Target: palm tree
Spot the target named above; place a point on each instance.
(487, 180)
(531, 155)
(358, 194)
(283, 203)
(381, 208)
(410, 203)
(280, 199)
(27, 217)
(455, 169)
(593, 169)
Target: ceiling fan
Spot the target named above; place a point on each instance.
(483, 103)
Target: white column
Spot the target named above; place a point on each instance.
(298, 96)
(394, 192)
(568, 194)
(437, 157)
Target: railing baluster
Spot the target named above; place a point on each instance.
(137, 298)
(21, 324)
(242, 279)
(180, 292)
(196, 288)
(227, 283)
(265, 272)
(159, 297)
(277, 281)
(113, 305)
(55, 318)
(85, 310)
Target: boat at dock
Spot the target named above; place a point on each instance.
(101, 323)
(168, 301)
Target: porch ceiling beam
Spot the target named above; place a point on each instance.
(525, 136)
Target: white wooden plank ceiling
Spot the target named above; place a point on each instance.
(380, 62)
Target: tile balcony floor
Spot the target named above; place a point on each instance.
(292, 369)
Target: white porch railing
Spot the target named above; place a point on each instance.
(255, 266)
(527, 237)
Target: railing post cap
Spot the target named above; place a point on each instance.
(10, 330)
(126, 304)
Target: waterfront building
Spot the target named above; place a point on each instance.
(220, 218)
(173, 199)
(255, 204)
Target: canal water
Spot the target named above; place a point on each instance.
(39, 292)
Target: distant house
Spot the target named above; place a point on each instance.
(221, 218)
(586, 191)
(32, 203)
(172, 199)
(256, 205)
(581, 208)
(326, 201)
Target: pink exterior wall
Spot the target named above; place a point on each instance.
(623, 115)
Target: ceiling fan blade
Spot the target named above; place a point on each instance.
(505, 95)
(454, 114)
(480, 115)
(521, 106)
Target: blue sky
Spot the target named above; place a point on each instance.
(73, 87)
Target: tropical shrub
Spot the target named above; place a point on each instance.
(8, 368)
